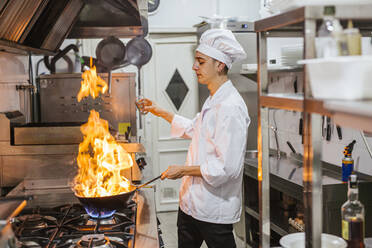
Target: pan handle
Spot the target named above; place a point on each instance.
(152, 180)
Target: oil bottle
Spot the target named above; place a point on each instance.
(347, 162)
(352, 213)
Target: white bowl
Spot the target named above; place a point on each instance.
(344, 77)
(297, 240)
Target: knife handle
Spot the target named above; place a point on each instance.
(301, 129)
(339, 132)
(291, 147)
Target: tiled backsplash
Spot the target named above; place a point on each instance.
(13, 73)
(287, 122)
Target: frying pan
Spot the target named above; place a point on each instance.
(111, 203)
(110, 52)
(138, 53)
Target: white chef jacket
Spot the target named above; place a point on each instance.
(218, 140)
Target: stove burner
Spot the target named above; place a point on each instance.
(36, 221)
(70, 226)
(94, 240)
(99, 213)
(106, 221)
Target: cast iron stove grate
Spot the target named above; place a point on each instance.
(70, 226)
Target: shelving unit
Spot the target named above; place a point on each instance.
(303, 22)
(354, 114)
(252, 74)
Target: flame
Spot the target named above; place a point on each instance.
(101, 161)
(92, 84)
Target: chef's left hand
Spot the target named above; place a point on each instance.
(173, 172)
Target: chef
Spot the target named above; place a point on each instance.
(210, 194)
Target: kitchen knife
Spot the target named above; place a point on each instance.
(301, 129)
(294, 155)
(295, 86)
(339, 132)
(329, 130)
(291, 147)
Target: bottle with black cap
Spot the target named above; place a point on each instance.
(330, 42)
(352, 213)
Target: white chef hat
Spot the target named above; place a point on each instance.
(221, 45)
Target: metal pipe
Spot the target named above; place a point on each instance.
(366, 143)
(263, 169)
(275, 130)
(60, 55)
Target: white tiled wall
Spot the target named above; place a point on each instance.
(332, 151)
(288, 121)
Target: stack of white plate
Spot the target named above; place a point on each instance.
(291, 54)
(297, 240)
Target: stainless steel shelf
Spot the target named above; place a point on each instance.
(252, 74)
(13, 47)
(273, 226)
(301, 22)
(252, 212)
(291, 22)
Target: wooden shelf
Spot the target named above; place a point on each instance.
(294, 102)
(282, 101)
(354, 114)
(317, 107)
(291, 22)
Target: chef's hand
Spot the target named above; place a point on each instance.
(173, 172)
(146, 105)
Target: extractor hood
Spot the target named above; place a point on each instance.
(37, 26)
(40, 26)
(120, 18)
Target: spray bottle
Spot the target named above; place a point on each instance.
(347, 162)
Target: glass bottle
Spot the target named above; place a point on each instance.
(331, 41)
(352, 214)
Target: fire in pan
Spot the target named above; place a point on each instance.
(106, 206)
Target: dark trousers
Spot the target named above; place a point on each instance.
(192, 233)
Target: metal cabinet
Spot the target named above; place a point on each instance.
(302, 22)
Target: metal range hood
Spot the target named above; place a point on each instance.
(40, 26)
(120, 18)
(37, 26)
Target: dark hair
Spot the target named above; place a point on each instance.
(225, 69)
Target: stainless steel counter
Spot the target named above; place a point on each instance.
(290, 170)
(286, 175)
(146, 230)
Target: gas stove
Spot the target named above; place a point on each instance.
(70, 226)
(48, 223)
